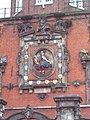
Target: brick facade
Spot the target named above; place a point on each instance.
(77, 39)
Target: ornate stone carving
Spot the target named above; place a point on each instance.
(66, 59)
(66, 55)
(68, 107)
(42, 96)
(43, 62)
(84, 57)
(61, 25)
(84, 53)
(67, 114)
(56, 56)
(77, 111)
(3, 62)
(20, 61)
(76, 83)
(25, 29)
(28, 112)
(2, 110)
(44, 27)
(85, 61)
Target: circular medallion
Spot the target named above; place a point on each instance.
(43, 63)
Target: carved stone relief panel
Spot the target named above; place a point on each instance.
(43, 62)
(43, 57)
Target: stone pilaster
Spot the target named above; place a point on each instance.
(3, 62)
(68, 107)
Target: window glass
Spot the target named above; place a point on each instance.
(5, 8)
(77, 3)
(18, 5)
(41, 2)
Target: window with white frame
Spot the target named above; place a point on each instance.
(5, 8)
(77, 3)
(43, 2)
(18, 5)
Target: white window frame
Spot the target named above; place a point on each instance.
(18, 6)
(43, 2)
(77, 3)
(5, 8)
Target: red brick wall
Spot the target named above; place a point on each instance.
(77, 39)
(30, 7)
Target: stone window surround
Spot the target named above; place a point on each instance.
(45, 36)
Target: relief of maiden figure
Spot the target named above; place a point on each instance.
(42, 61)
